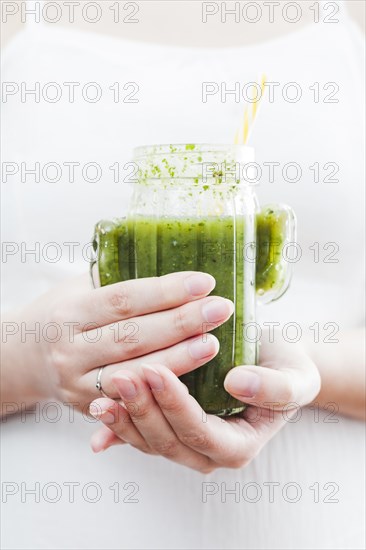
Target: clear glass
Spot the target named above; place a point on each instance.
(192, 209)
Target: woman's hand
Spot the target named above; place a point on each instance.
(159, 319)
(158, 416)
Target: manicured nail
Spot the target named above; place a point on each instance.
(95, 410)
(153, 378)
(203, 346)
(125, 386)
(106, 415)
(199, 284)
(242, 382)
(216, 310)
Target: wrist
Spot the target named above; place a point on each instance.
(24, 376)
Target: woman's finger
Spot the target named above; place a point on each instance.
(142, 335)
(283, 379)
(151, 423)
(206, 434)
(117, 419)
(111, 303)
(104, 438)
(180, 358)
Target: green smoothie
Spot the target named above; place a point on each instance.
(222, 246)
(271, 237)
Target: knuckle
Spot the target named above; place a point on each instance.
(137, 412)
(120, 301)
(172, 407)
(132, 348)
(198, 441)
(167, 448)
(60, 363)
(181, 321)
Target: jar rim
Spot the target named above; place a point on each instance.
(189, 148)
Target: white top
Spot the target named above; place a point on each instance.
(163, 505)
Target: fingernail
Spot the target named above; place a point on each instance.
(217, 310)
(242, 382)
(199, 284)
(203, 346)
(106, 415)
(153, 378)
(95, 410)
(97, 442)
(125, 386)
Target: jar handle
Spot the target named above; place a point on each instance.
(105, 264)
(276, 235)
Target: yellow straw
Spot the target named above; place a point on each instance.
(250, 113)
(245, 125)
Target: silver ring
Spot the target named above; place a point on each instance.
(98, 385)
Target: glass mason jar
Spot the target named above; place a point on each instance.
(193, 208)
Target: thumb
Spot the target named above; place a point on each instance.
(271, 388)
